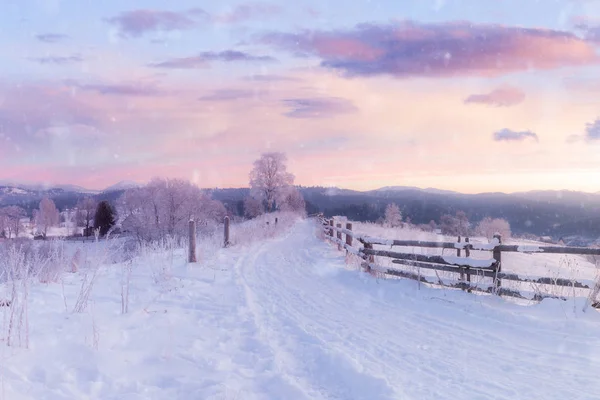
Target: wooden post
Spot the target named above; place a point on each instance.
(331, 227)
(498, 257)
(192, 242)
(370, 258)
(226, 232)
(468, 254)
(462, 274)
(339, 236)
(348, 237)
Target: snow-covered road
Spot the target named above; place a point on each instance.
(337, 334)
(286, 319)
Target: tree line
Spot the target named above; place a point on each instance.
(163, 207)
(454, 225)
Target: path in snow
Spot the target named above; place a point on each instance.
(337, 334)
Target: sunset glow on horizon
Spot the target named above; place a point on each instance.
(463, 95)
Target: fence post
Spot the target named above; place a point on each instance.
(349, 237)
(226, 232)
(339, 236)
(498, 258)
(462, 274)
(370, 258)
(331, 227)
(192, 242)
(468, 254)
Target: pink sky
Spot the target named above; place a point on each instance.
(354, 105)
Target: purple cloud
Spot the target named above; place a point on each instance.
(438, 50)
(203, 59)
(271, 78)
(51, 37)
(508, 135)
(592, 130)
(136, 23)
(125, 89)
(58, 60)
(247, 11)
(589, 27)
(228, 94)
(501, 97)
(318, 107)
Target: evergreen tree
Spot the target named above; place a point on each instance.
(104, 218)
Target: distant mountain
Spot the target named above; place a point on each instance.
(123, 185)
(43, 187)
(387, 189)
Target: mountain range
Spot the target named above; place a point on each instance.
(553, 213)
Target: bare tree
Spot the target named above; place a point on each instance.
(86, 210)
(393, 216)
(47, 215)
(268, 177)
(488, 227)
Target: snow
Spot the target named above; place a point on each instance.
(470, 262)
(529, 249)
(286, 318)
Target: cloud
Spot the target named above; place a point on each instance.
(508, 135)
(501, 97)
(271, 78)
(51, 37)
(318, 107)
(136, 23)
(406, 49)
(588, 26)
(124, 89)
(203, 59)
(592, 130)
(58, 60)
(247, 11)
(229, 94)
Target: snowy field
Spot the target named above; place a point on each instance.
(280, 315)
(532, 266)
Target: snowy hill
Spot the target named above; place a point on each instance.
(122, 185)
(286, 318)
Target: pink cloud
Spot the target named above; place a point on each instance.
(438, 50)
(502, 97)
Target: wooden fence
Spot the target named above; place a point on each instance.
(461, 264)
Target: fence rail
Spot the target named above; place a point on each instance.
(464, 266)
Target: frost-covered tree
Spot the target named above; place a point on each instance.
(455, 225)
(393, 216)
(253, 207)
(290, 199)
(86, 209)
(10, 220)
(163, 208)
(268, 177)
(46, 216)
(488, 227)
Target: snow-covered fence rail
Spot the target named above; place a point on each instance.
(465, 266)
